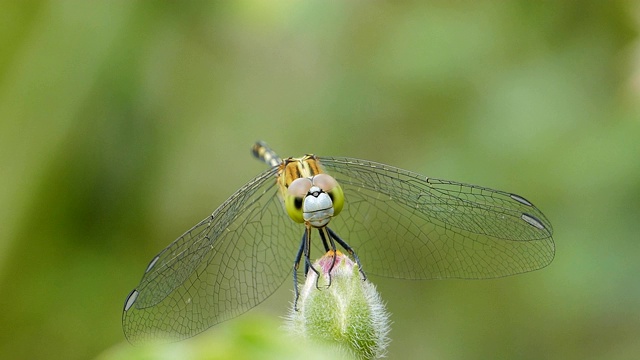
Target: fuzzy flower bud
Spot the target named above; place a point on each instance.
(341, 309)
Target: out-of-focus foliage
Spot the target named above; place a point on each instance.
(245, 339)
(124, 123)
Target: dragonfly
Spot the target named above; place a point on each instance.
(395, 222)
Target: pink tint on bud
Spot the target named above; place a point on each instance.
(325, 262)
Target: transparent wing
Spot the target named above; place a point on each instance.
(225, 265)
(405, 225)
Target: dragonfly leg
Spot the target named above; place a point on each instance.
(329, 246)
(303, 251)
(307, 256)
(324, 240)
(296, 265)
(348, 248)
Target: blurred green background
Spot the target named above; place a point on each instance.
(122, 124)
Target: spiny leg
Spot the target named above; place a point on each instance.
(296, 264)
(334, 236)
(324, 240)
(307, 256)
(304, 248)
(329, 246)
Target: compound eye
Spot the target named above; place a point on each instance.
(325, 182)
(294, 197)
(329, 185)
(299, 187)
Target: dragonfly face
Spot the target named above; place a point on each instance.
(317, 207)
(313, 200)
(402, 225)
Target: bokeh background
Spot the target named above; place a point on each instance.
(124, 123)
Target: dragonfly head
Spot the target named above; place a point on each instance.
(314, 200)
